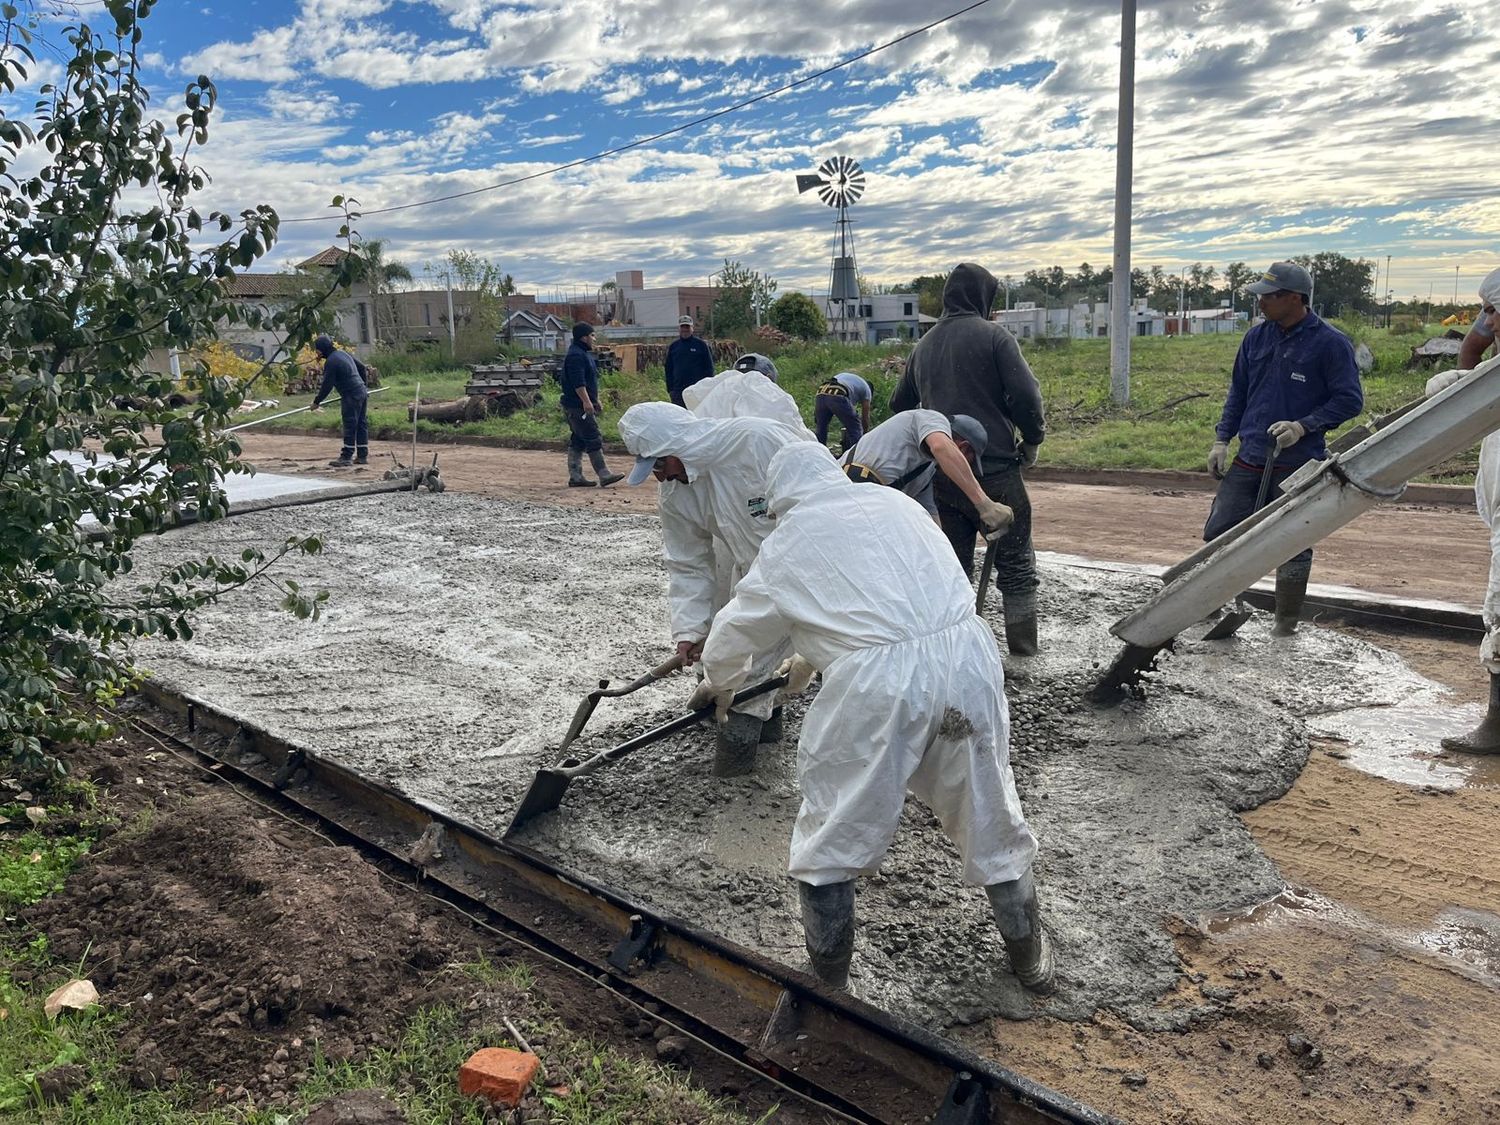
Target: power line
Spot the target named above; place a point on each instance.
(655, 136)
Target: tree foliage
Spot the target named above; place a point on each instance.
(480, 312)
(107, 264)
(742, 299)
(798, 315)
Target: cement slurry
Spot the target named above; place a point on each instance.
(462, 632)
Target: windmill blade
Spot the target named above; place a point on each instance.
(807, 183)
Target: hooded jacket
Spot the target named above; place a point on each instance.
(967, 364)
(744, 394)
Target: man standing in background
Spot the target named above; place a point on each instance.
(689, 360)
(580, 404)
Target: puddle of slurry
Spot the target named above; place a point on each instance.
(1402, 742)
(462, 632)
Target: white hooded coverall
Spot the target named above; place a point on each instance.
(744, 394)
(721, 510)
(868, 590)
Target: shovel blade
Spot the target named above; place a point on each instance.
(545, 795)
(1229, 624)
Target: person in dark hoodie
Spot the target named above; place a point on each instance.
(580, 404)
(341, 372)
(967, 364)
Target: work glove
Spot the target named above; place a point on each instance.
(706, 694)
(1441, 382)
(995, 519)
(798, 672)
(1488, 656)
(1287, 433)
(1028, 454)
(1218, 460)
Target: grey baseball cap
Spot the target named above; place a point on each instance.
(1282, 275)
(970, 430)
(754, 361)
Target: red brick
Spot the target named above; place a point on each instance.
(499, 1074)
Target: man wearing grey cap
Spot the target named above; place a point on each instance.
(1294, 379)
(689, 360)
(907, 451)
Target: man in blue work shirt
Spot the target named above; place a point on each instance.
(341, 372)
(689, 360)
(1294, 379)
(837, 398)
(580, 403)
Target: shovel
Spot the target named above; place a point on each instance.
(587, 704)
(549, 785)
(1229, 624)
(985, 571)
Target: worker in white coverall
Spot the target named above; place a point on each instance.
(868, 592)
(744, 394)
(1485, 738)
(713, 518)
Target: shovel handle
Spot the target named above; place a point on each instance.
(673, 664)
(987, 569)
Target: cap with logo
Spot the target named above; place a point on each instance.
(1282, 275)
(754, 361)
(684, 320)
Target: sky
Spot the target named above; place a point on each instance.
(1262, 130)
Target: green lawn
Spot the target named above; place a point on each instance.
(1084, 428)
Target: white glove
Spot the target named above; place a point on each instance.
(1028, 454)
(1287, 433)
(1441, 382)
(798, 672)
(706, 694)
(1487, 654)
(995, 519)
(1218, 460)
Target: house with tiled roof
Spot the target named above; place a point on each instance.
(354, 308)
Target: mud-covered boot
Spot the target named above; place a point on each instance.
(1020, 623)
(576, 479)
(828, 929)
(734, 745)
(362, 455)
(343, 460)
(606, 478)
(1485, 738)
(771, 729)
(1015, 908)
(1291, 591)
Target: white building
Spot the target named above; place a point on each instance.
(1080, 321)
(877, 317)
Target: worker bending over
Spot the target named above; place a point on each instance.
(837, 398)
(1485, 738)
(912, 698)
(1294, 378)
(712, 504)
(907, 451)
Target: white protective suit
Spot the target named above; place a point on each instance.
(713, 526)
(868, 590)
(744, 394)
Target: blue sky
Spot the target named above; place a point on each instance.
(1261, 132)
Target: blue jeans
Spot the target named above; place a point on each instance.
(828, 407)
(355, 415)
(1235, 501)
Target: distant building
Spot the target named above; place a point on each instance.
(535, 331)
(660, 306)
(266, 291)
(1079, 321)
(877, 317)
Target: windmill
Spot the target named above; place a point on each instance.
(839, 183)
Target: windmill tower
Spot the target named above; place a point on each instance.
(840, 182)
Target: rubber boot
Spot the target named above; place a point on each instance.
(1015, 908)
(343, 460)
(734, 746)
(1291, 590)
(606, 478)
(576, 479)
(1485, 738)
(362, 455)
(1020, 623)
(770, 730)
(828, 929)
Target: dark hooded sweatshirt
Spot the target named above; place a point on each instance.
(967, 364)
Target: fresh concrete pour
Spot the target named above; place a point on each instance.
(461, 633)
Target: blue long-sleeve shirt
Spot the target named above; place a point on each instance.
(339, 371)
(1305, 375)
(579, 370)
(688, 361)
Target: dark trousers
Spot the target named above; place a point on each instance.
(1015, 558)
(1235, 501)
(828, 407)
(356, 418)
(583, 435)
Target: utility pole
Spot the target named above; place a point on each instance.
(1387, 291)
(452, 330)
(1119, 301)
(1455, 289)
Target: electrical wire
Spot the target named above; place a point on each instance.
(643, 141)
(584, 974)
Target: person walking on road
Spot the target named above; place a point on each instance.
(1294, 379)
(689, 360)
(967, 364)
(837, 398)
(341, 373)
(864, 589)
(580, 404)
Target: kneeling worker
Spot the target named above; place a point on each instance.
(906, 452)
(912, 698)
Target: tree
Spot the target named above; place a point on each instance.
(1341, 285)
(929, 291)
(382, 274)
(97, 227)
(482, 312)
(798, 315)
(742, 299)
